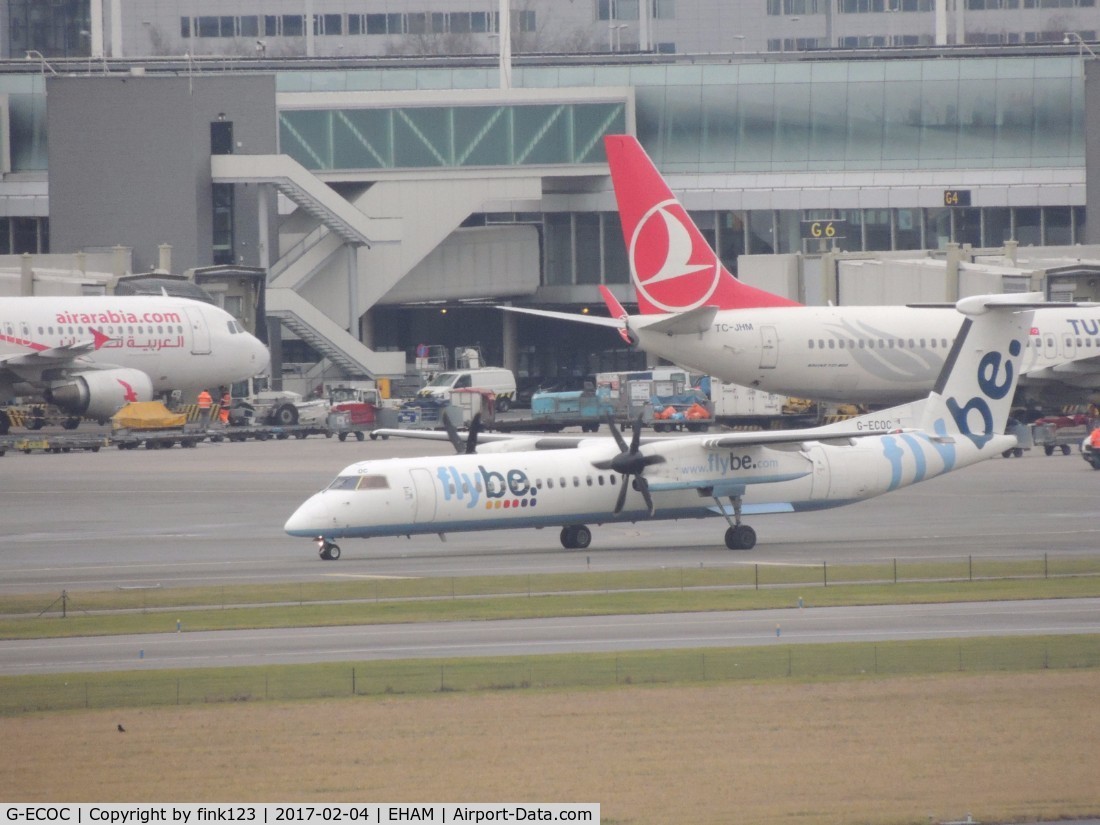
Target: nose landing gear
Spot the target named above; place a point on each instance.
(327, 550)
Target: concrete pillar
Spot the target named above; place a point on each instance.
(119, 262)
(1011, 247)
(366, 328)
(26, 275)
(264, 240)
(96, 23)
(116, 28)
(164, 257)
(275, 347)
(510, 341)
(951, 276)
(353, 288)
(830, 279)
(80, 262)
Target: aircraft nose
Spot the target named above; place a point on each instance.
(311, 519)
(259, 354)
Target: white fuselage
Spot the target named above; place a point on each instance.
(561, 487)
(864, 354)
(179, 343)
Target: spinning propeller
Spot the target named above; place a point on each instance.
(469, 446)
(630, 462)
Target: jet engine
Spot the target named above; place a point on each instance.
(100, 393)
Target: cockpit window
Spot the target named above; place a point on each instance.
(373, 483)
(357, 482)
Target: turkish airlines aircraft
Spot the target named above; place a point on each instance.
(549, 481)
(92, 355)
(695, 313)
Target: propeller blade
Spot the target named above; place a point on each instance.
(615, 432)
(471, 436)
(636, 439)
(643, 488)
(622, 495)
(452, 434)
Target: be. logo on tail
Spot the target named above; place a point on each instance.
(675, 270)
(989, 371)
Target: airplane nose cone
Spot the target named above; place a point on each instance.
(310, 520)
(260, 355)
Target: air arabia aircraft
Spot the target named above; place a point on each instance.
(92, 355)
(695, 313)
(519, 480)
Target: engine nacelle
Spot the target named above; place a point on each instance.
(100, 393)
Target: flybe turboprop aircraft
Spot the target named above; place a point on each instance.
(695, 313)
(569, 481)
(90, 355)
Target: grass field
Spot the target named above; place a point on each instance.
(867, 733)
(518, 597)
(1003, 747)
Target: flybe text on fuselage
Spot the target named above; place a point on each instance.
(491, 488)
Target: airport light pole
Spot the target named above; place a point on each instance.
(1082, 46)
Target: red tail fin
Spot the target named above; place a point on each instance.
(671, 264)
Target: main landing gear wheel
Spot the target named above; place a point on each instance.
(740, 537)
(575, 537)
(329, 551)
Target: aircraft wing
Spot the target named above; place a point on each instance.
(748, 439)
(594, 320)
(690, 322)
(502, 442)
(48, 357)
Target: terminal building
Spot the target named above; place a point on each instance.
(390, 201)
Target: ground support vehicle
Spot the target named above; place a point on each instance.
(265, 432)
(35, 417)
(586, 409)
(343, 423)
(53, 442)
(748, 407)
(690, 410)
(357, 411)
(153, 425)
(1088, 452)
(427, 414)
(187, 436)
(1053, 438)
(278, 407)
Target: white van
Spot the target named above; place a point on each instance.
(501, 381)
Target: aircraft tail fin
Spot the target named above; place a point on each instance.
(973, 394)
(671, 264)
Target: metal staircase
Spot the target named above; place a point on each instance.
(312, 194)
(324, 335)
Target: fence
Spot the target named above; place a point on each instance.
(782, 661)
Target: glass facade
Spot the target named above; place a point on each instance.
(571, 255)
(447, 136)
(845, 115)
